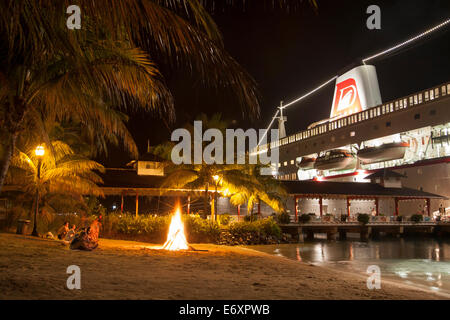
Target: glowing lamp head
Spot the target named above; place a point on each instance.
(40, 151)
(216, 178)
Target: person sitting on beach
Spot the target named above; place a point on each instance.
(88, 238)
(71, 233)
(63, 231)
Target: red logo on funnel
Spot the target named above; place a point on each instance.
(346, 100)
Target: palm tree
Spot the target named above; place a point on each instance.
(243, 182)
(95, 74)
(63, 175)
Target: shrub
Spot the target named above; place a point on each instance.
(417, 218)
(224, 219)
(399, 218)
(304, 218)
(200, 230)
(363, 218)
(269, 227)
(154, 229)
(344, 217)
(283, 218)
(250, 217)
(253, 232)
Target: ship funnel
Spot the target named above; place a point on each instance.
(355, 91)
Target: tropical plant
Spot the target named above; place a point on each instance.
(363, 218)
(304, 218)
(64, 177)
(416, 218)
(250, 217)
(284, 218)
(243, 183)
(224, 219)
(109, 67)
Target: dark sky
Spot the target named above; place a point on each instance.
(290, 53)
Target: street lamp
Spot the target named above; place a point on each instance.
(216, 180)
(39, 152)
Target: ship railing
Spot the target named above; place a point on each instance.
(409, 101)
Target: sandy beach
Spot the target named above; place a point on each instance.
(32, 268)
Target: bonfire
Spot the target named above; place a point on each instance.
(176, 240)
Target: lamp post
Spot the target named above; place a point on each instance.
(39, 152)
(216, 180)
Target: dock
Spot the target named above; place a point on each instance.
(339, 230)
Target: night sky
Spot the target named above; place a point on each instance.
(290, 53)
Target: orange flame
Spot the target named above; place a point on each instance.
(176, 240)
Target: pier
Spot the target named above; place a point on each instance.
(335, 230)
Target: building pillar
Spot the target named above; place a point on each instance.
(320, 206)
(428, 206)
(342, 234)
(137, 203)
(239, 211)
(295, 207)
(376, 206)
(348, 207)
(396, 206)
(121, 204)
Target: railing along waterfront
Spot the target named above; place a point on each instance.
(418, 98)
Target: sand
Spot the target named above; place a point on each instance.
(33, 268)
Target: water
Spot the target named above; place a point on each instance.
(420, 262)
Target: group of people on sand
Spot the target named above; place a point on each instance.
(84, 239)
(65, 233)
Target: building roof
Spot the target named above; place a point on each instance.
(355, 189)
(128, 178)
(117, 179)
(385, 174)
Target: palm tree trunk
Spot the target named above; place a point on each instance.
(205, 201)
(6, 160)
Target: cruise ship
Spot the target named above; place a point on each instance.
(409, 135)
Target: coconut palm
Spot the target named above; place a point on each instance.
(242, 182)
(93, 88)
(98, 73)
(64, 176)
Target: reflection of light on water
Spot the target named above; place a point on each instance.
(299, 258)
(402, 274)
(430, 278)
(351, 252)
(277, 252)
(318, 249)
(434, 288)
(403, 260)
